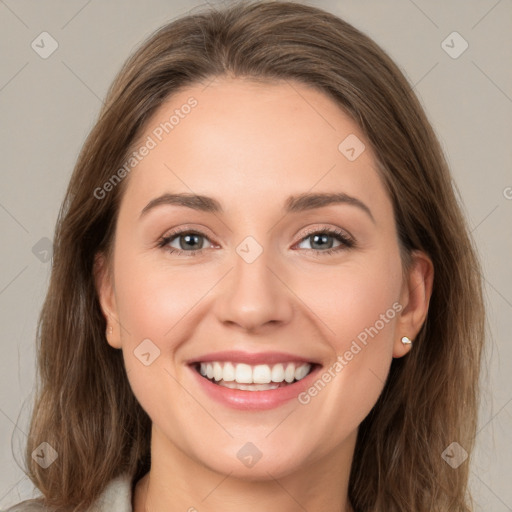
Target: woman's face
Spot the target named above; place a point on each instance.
(290, 262)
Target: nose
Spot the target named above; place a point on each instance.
(254, 296)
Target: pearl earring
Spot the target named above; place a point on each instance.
(110, 330)
(406, 340)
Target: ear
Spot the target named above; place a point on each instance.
(415, 298)
(106, 293)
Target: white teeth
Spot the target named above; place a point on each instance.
(261, 374)
(289, 373)
(278, 373)
(249, 387)
(217, 371)
(228, 373)
(243, 373)
(301, 372)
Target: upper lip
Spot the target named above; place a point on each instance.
(235, 356)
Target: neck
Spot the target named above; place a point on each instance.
(178, 483)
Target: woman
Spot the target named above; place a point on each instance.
(263, 294)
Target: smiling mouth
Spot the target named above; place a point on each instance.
(261, 377)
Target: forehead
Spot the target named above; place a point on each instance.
(243, 141)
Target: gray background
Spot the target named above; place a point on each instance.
(49, 105)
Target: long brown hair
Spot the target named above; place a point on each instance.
(84, 406)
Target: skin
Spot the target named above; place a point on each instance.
(250, 146)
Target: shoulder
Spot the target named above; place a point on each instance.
(117, 496)
(27, 506)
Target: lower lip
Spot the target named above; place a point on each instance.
(255, 400)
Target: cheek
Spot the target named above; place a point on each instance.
(158, 304)
(152, 298)
(359, 305)
(358, 308)
(352, 298)
(153, 303)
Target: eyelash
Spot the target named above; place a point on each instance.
(346, 242)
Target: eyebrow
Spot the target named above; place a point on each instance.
(299, 203)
